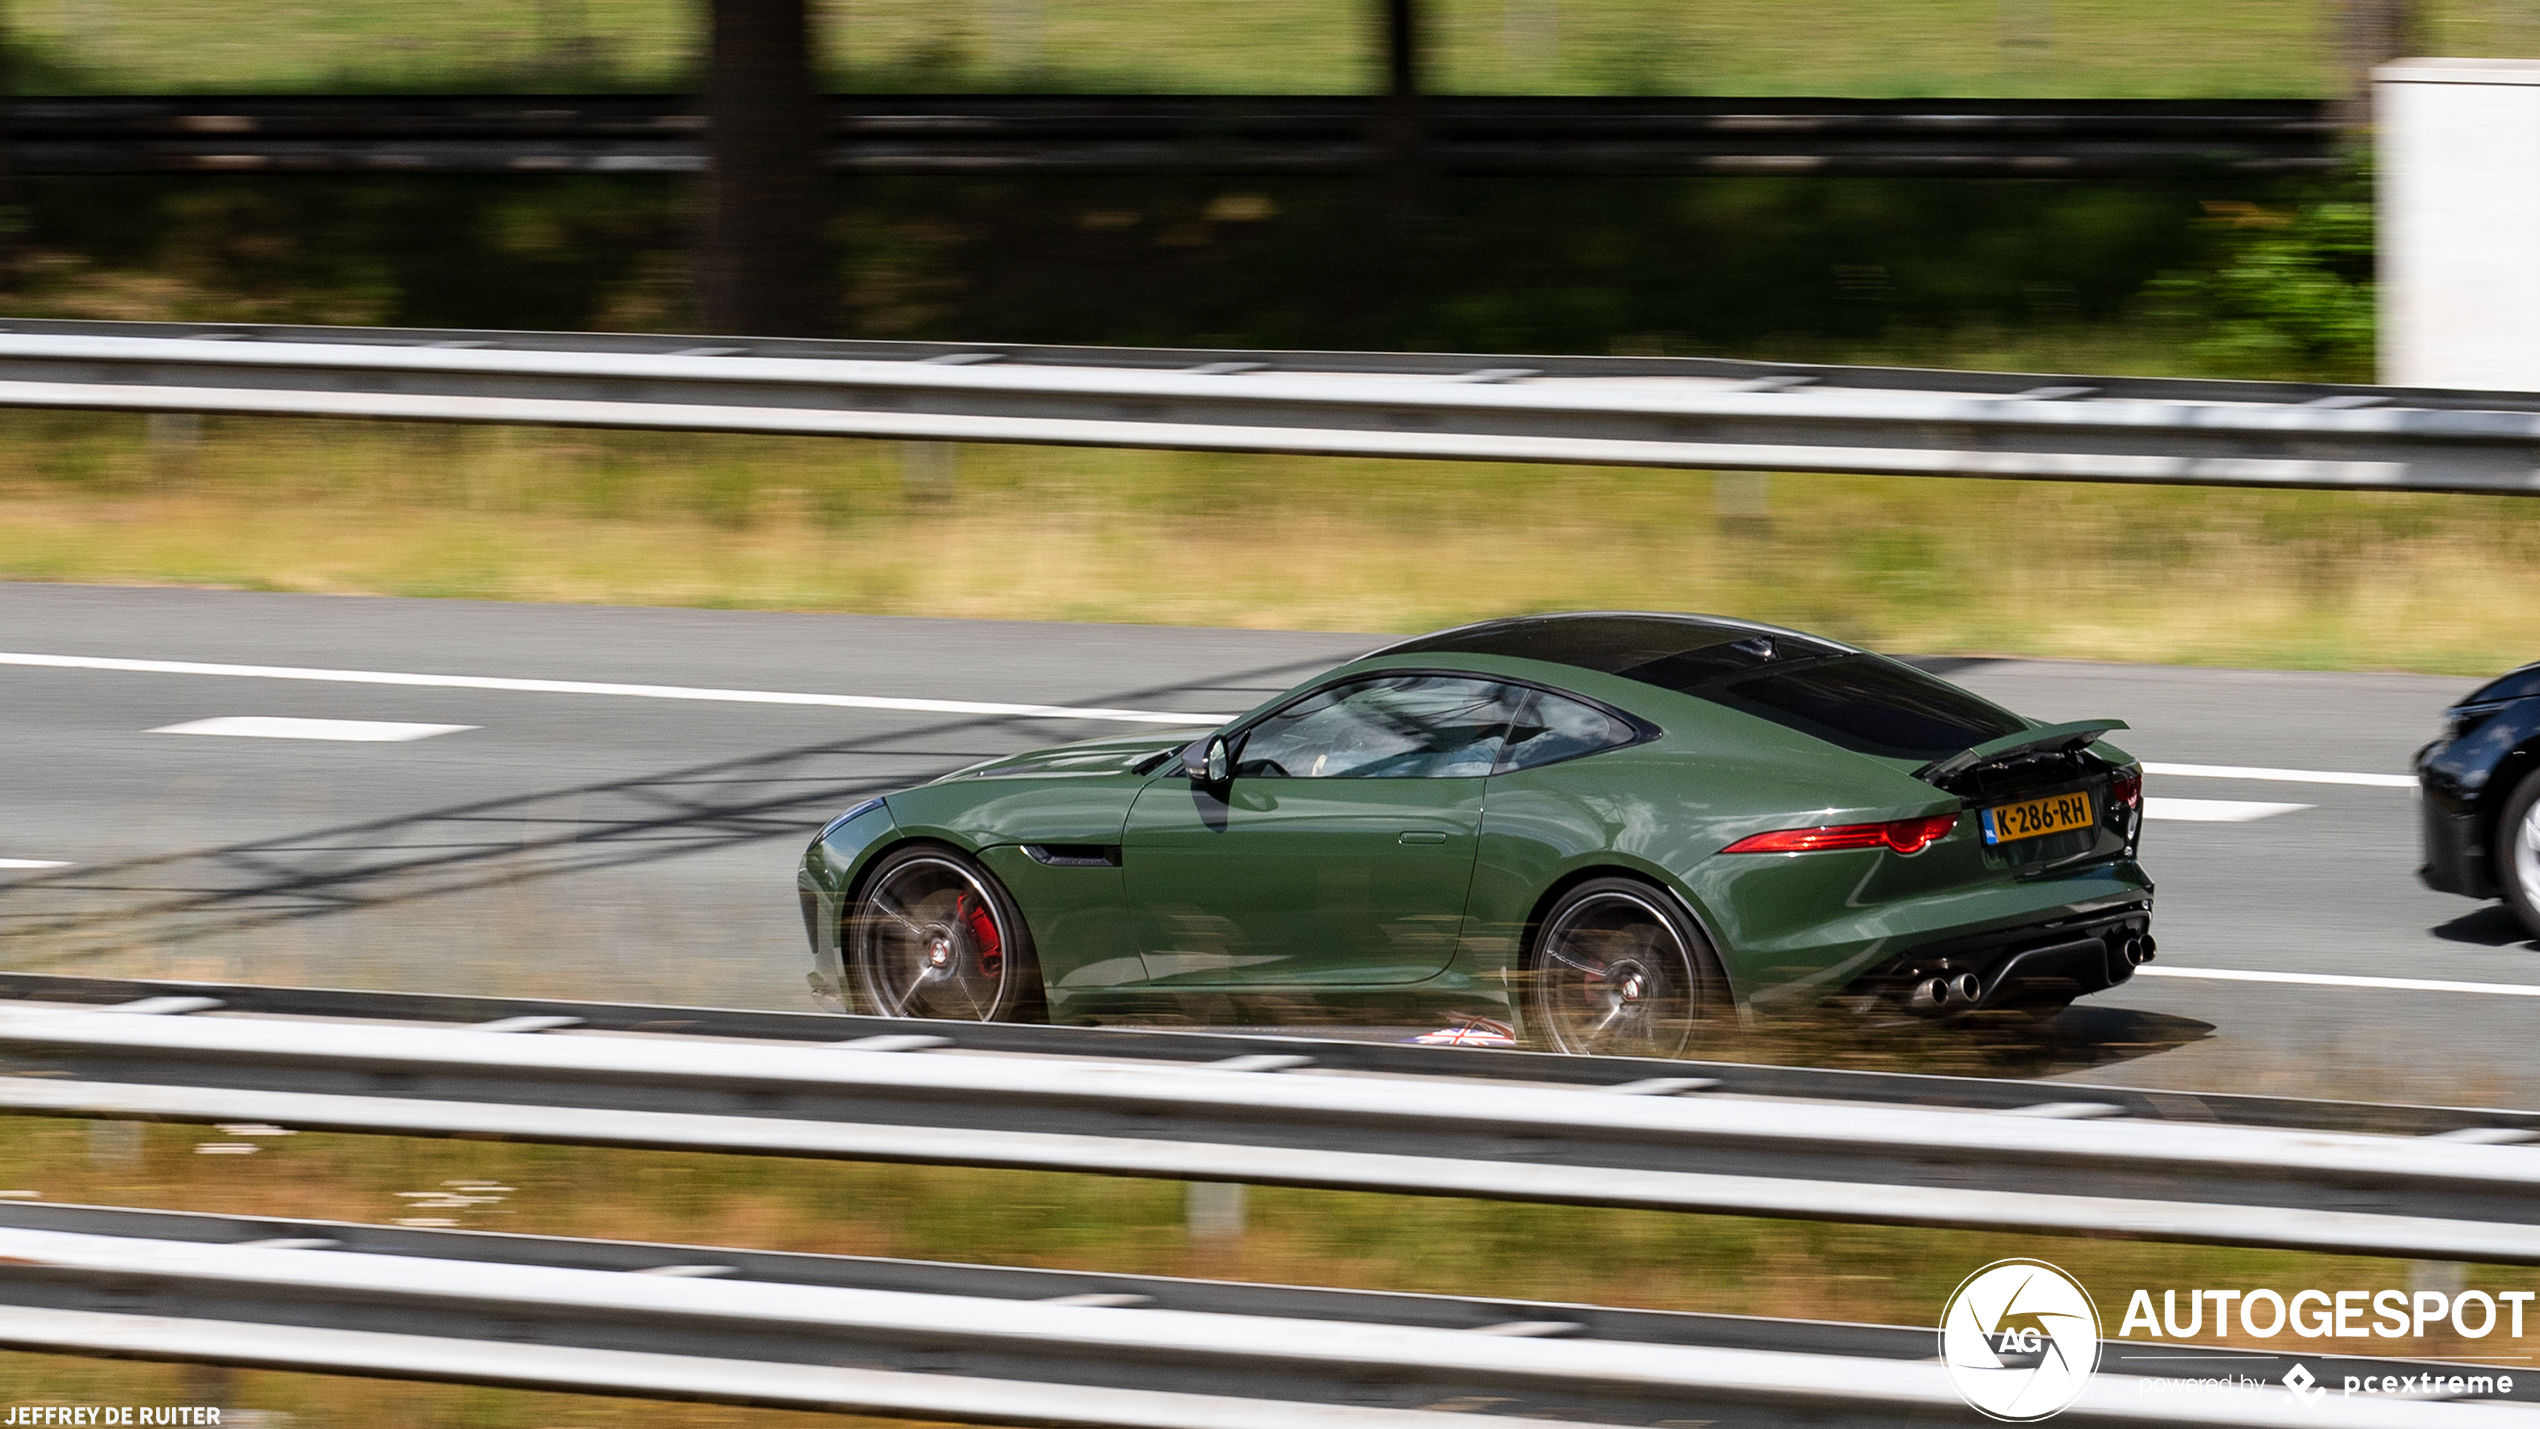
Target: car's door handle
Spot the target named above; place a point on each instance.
(1423, 836)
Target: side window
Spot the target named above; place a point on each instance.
(1390, 727)
(1550, 729)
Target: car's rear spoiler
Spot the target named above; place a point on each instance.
(2059, 738)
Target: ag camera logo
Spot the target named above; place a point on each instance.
(2020, 1338)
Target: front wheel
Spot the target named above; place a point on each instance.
(1618, 970)
(933, 934)
(2518, 853)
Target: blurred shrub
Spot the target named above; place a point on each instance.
(2287, 294)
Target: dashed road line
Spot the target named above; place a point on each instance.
(2214, 811)
(359, 731)
(2282, 776)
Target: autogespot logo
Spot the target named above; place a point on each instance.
(2020, 1339)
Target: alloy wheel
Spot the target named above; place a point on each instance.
(1614, 978)
(930, 941)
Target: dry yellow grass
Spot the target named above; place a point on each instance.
(2293, 579)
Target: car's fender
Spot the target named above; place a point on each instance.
(829, 868)
(1052, 837)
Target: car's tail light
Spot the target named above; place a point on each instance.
(2126, 786)
(1907, 836)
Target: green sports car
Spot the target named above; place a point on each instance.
(1611, 832)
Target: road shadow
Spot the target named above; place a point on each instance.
(2084, 1036)
(60, 919)
(1987, 1044)
(2493, 926)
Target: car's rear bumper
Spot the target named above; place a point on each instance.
(2072, 953)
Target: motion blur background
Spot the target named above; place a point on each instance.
(2178, 269)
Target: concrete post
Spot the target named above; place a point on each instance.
(2458, 168)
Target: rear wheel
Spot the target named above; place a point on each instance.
(2518, 853)
(1619, 970)
(933, 934)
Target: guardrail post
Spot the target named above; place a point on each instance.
(1015, 30)
(2447, 1276)
(1530, 39)
(1742, 500)
(1214, 1210)
(2025, 31)
(173, 441)
(929, 471)
(114, 1145)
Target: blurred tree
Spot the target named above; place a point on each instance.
(12, 208)
(1402, 49)
(761, 267)
(2371, 32)
(1401, 173)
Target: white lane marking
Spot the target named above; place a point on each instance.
(34, 863)
(2214, 811)
(2282, 776)
(2390, 984)
(592, 687)
(362, 731)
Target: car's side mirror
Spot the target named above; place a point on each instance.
(1209, 760)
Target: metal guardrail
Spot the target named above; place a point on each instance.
(1662, 412)
(1227, 134)
(999, 1345)
(1169, 1047)
(1659, 1140)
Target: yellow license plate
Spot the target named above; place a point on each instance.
(2054, 814)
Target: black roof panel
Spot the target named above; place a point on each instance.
(1671, 651)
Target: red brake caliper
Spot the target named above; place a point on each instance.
(983, 930)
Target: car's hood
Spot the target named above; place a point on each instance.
(1118, 754)
(2514, 685)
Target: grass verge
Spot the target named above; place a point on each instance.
(2322, 580)
(1970, 48)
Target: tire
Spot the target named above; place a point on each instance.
(1618, 969)
(2518, 853)
(930, 933)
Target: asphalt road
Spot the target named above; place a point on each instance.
(640, 848)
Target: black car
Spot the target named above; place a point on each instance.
(2482, 797)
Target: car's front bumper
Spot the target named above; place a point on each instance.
(2455, 856)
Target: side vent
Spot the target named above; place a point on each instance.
(1074, 855)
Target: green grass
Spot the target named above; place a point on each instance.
(1969, 48)
(2326, 580)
